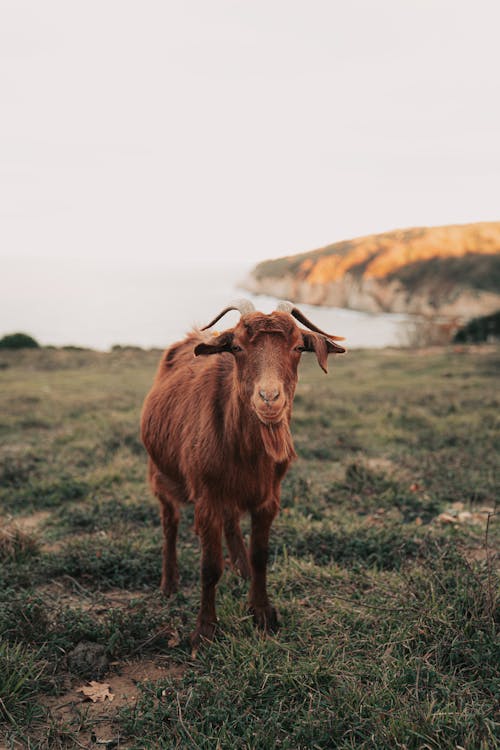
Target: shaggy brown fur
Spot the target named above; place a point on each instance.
(216, 425)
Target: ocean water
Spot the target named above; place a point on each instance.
(98, 304)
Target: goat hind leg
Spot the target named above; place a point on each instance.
(236, 546)
(169, 495)
(169, 569)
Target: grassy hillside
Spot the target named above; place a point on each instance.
(381, 565)
(473, 270)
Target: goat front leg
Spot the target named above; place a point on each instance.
(264, 614)
(209, 529)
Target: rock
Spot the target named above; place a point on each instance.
(88, 660)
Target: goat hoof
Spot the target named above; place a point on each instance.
(204, 632)
(265, 618)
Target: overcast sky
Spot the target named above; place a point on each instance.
(242, 129)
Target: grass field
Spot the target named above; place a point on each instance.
(382, 565)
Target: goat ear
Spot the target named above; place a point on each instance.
(215, 345)
(322, 347)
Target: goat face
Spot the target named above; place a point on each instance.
(267, 350)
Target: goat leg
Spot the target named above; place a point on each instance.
(169, 495)
(264, 614)
(236, 546)
(169, 570)
(209, 528)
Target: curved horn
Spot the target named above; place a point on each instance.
(244, 306)
(290, 308)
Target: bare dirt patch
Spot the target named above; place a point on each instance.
(381, 464)
(68, 592)
(93, 723)
(31, 523)
(476, 554)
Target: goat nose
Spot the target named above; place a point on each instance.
(269, 396)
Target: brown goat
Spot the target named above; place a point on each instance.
(217, 430)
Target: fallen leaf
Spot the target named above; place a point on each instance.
(96, 691)
(446, 518)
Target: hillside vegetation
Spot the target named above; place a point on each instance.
(451, 270)
(382, 566)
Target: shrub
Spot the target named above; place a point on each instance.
(16, 545)
(18, 341)
(485, 328)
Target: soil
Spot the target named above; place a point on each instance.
(32, 522)
(93, 723)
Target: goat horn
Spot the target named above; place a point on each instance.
(244, 306)
(290, 308)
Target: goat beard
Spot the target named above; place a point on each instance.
(277, 440)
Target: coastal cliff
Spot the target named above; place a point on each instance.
(451, 271)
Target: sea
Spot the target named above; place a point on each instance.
(98, 304)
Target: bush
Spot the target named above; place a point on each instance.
(485, 328)
(18, 341)
(428, 330)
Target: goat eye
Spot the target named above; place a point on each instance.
(300, 348)
(236, 348)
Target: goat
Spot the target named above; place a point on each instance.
(217, 431)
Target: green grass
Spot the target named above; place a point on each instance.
(21, 676)
(388, 616)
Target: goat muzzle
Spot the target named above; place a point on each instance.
(269, 396)
(269, 403)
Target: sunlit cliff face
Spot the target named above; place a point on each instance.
(377, 256)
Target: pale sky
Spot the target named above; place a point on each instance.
(242, 129)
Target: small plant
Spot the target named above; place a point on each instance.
(16, 545)
(20, 672)
(18, 341)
